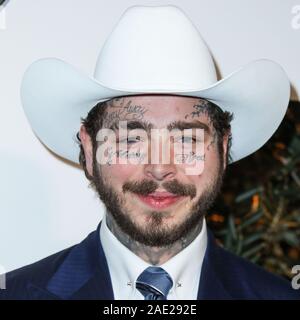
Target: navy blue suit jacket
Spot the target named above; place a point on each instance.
(81, 272)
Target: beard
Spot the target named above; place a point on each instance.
(156, 233)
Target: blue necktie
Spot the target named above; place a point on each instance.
(154, 283)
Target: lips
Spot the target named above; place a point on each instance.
(160, 200)
(162, 194)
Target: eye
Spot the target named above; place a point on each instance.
(131, 140)
(184, 139)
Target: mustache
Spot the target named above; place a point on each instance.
(146, 187)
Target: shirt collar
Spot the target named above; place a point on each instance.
(185, 266)
(125, 266)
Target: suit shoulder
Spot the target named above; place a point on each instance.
(40, 271)
(246, 276)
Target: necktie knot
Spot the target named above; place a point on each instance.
(154, 283)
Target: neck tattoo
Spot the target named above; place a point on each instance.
(152, 255)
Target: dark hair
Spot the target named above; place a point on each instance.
(94, 121)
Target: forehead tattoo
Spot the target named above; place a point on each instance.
(119, 109)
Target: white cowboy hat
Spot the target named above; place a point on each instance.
(153, 50)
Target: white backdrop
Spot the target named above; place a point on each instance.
(45, 205)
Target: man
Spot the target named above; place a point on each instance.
(154, 75)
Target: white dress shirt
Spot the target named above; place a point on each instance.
(125, 267)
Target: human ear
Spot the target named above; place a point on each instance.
(87, 145)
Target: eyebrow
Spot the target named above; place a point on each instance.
(147, 126)
(182, 125)
(134, 124)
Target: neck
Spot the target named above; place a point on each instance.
(152, 255)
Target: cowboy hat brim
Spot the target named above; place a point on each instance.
(55, 96)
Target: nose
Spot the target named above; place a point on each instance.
(160, 172)
(161, 164)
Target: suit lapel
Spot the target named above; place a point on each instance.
(84, 274)
(211, 286)
(38, 293)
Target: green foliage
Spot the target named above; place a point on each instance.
(257, 215)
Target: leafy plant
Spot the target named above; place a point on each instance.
(262, 223)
